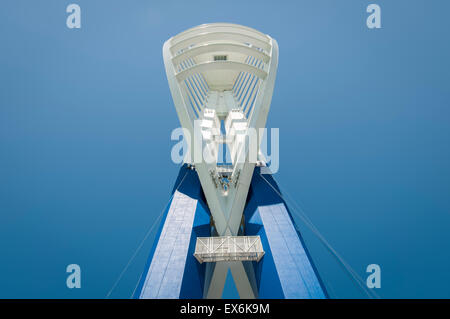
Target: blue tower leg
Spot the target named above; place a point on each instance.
(286, 270)
(172, 271)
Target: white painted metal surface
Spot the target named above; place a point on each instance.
(221, 78)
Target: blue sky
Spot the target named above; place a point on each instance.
(86, 117)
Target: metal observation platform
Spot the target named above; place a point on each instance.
(228, 248)
(225, 218)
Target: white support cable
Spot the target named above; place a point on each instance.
(345, 264)
(157, 221)
(353, 274)
(142, 242)
(300, 213)
(358, 279)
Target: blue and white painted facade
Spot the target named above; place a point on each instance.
(285, 271)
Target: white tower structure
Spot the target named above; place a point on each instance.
(221, 77)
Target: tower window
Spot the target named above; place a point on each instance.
(220, 58)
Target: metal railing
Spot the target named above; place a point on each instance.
(228, 248)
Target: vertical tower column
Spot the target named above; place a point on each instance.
(172, 271)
